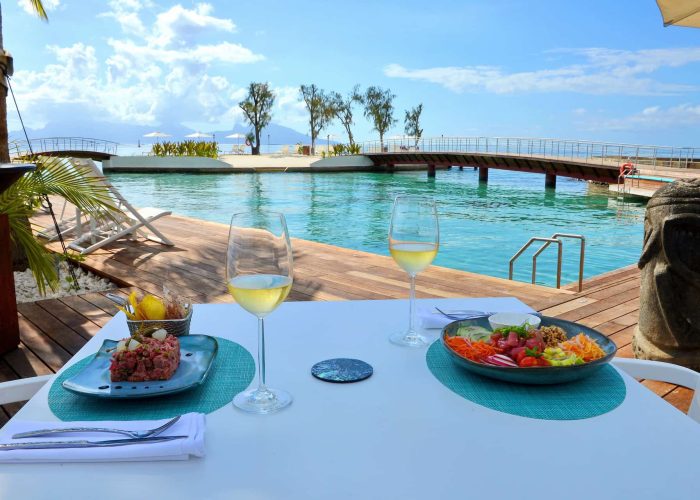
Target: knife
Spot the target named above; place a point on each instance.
(45, 445)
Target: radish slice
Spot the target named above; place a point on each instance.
(500, 360)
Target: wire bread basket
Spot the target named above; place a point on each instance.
(175, 327)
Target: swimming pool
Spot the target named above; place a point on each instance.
(481, 226)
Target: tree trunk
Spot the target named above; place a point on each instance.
(256, 147)
(4, 139)
(19, 257)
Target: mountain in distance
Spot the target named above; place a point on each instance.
(127, 134)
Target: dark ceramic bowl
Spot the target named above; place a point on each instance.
(540, 375)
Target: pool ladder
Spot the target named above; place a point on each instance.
(555, 238)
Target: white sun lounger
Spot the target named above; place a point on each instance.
(110, 226)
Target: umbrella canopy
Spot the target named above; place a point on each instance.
(680, 12)
(199, 135)
(236, 136)
(156, 134)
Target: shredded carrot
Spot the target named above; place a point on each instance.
(584, 347)
(474, 351)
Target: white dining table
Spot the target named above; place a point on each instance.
(398, 435)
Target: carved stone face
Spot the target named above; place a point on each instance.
(670, 264)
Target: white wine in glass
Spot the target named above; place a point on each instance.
(414, 238)
(259, 273)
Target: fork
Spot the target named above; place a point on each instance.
(132, 434)
(465, 315)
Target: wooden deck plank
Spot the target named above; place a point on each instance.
(87, 309)
(72, 319)
(42, 345)
(25, 363)
(608, 302)
(51, 327)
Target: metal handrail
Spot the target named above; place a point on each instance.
(591, 152)
(525, 247)
(43, 144)
(581, 257)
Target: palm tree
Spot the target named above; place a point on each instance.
(53, 176)
(6, 68)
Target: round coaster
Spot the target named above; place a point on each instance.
(232, 371)
(341, 370)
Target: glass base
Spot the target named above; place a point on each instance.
(410, 339)
(262, 401)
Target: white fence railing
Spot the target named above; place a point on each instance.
(51, 144)
(590, 152)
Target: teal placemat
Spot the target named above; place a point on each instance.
(592, 396)
(231, 373)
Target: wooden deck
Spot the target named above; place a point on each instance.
(53, 330)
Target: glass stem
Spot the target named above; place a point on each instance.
(411, 305)
(261, 355)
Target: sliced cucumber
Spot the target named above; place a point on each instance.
(475, 333)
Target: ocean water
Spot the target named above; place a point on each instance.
(481, 226)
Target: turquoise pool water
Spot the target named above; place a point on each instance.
(481, 226)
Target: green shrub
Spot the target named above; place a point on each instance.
(338, 149)
(209, 149)
(353, 149)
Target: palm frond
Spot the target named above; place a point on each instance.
(57, 176)
(53, 176)
(41, 262)
(39, 9)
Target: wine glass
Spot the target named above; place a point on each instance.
(259, 275)
(414, 238)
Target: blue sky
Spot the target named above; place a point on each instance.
(597, 70)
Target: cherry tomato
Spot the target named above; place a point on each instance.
(529, 361)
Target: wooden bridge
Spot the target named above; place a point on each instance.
(594, 161)
(76, 147)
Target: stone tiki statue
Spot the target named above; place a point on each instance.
(669, 309)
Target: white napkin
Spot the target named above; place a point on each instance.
(430, 318)
(191, 425)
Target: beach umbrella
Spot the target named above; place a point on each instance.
(198, 135)
(236, 136)
(156, 134)
(680, 12)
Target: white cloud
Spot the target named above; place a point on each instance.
(224, 52)
(602, 71)
(180, 26)
(288, 110)
(653, 118)
(126, 13)
(49, 5)
(159, 72)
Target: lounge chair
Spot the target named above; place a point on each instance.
(110, 226)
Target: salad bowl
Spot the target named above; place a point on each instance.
(538, 375)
